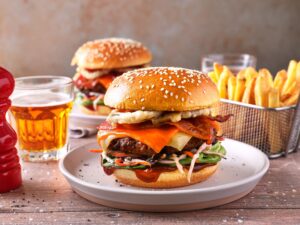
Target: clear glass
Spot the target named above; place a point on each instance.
(235, 62)
(40, 114)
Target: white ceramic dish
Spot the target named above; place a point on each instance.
(237, 176)
(81, 120)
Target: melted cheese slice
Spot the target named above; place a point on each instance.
(106, 80)
(179, 140)
(153, 137)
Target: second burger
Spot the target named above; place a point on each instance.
(98, 63)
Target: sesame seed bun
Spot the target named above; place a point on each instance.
(111, 53)
(166, 179)
(162, 89)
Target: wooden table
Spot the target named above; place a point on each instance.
(46, 198)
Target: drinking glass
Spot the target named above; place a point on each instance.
(235, 62)
(40, 113)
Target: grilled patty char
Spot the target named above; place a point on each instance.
(98, 88)
(133, 147)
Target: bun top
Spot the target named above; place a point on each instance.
(162, 89)
(111, 53)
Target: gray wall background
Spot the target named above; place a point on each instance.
(40, 36)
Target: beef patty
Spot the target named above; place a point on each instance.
(98, 88)
(136, 148)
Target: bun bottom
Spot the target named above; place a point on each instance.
(100, 111)
(166, 179)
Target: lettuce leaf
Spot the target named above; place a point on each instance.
(81, 100)
(210, 158)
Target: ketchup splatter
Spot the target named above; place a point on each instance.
(108, 170)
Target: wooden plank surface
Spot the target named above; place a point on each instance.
(217, 216)
(46, 198)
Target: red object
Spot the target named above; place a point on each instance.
(10, 169)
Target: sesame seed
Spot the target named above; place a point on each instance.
(134, 101)
(165, 96)
(182, 99)
(142, 99)
(176, 96)
(162, 89)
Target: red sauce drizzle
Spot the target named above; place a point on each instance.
(108, 170)
(152, 174)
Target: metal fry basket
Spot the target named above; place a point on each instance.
(275, 131)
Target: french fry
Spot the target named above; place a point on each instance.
(273, 98)
(266, 73)
(231, 87)
(222, 82)
(248, 96)
(289, 92)
(293, 99)
(298, 74)
(261, 90)
(218, 68)
(279, 81)
(250, 72)
(291, 76)
(240, 86)
(212, 75)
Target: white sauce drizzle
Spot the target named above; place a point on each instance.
(195, 157)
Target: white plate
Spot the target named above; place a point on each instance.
(236, 177)
(81, 120)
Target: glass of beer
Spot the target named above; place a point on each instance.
(40, 113)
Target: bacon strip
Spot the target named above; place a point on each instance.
(220, 118)
(203, 132)
(203, 127)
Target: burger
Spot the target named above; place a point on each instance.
(98, 63)
(163, 131)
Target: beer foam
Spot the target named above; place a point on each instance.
(40, 100)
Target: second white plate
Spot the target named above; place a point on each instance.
(236, 176)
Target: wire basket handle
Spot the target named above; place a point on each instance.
(294, 137)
